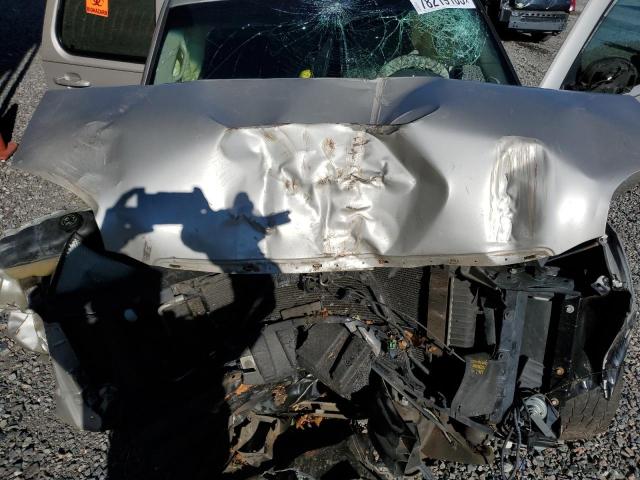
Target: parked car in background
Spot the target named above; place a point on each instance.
(602, 52)
(539, 18)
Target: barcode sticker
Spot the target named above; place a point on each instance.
(428, 6)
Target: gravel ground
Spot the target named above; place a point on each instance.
(35, 444)
(22, 84)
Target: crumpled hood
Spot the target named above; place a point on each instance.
(323, 174)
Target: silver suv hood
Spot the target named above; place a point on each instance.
(325, 174)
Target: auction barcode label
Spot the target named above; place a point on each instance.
(427, 6)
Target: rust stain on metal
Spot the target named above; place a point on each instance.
(268, 136)
(291, 186)
(308, 420)
(414, 339)
(279, 395)
(238, 460)
(242, 388)
(328, 147)
(324, 181)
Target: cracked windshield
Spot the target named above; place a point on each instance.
(364, 39)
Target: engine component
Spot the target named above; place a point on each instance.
(438, 301)
(534, 341)
(344, 357)
(452, 312)
(488, 385)
(462, 314)
(541, 414)
(602, 285)
(301, 310)
(340, 360)
(479, 387)
(509, 351)
(255, 441)
(273, 355)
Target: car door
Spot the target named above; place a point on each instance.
(602, 52)
(97, 42)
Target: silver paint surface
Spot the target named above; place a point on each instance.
(26, 328)
(327, 174)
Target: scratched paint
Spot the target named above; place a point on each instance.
(517, 188)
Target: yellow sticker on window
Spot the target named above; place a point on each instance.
(97, 7)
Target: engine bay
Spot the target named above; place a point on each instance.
(356, 374)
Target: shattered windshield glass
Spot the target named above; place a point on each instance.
(364, 39)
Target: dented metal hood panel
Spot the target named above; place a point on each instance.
(323, 174)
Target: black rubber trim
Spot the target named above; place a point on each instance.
(46, 239)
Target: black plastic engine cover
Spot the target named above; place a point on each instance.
(339, 359)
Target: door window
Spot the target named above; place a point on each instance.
(110, 29)
(610, 60)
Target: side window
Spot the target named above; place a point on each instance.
(110, 29)
(610, 60)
